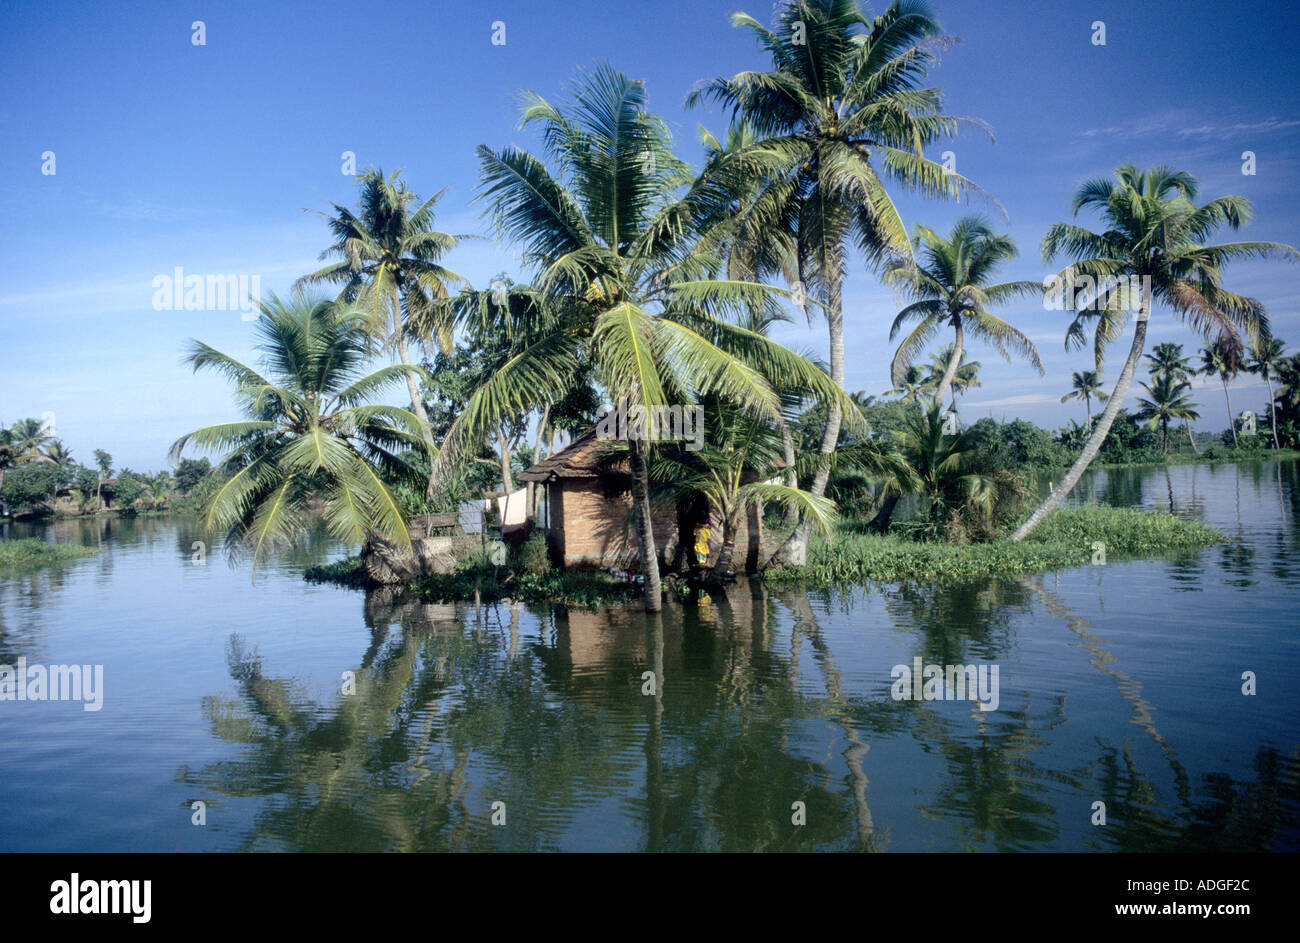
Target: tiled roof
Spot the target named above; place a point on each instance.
(585, 457)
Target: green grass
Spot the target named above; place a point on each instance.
(576, 588)
(1064, 540)
(31, 553)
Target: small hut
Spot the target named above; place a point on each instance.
(586, 513)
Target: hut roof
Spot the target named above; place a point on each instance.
(587, 456)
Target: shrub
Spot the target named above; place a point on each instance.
(31, 488)
(534, 557)
(1065, 539)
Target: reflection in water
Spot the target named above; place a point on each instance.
(1104, 661)
(1238, 816)
(960, 622)
(761, 700)
(838, 707)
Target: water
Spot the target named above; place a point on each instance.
(1119, 684)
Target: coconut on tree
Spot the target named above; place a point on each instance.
(389, 256)
(842, 111)
(949, 280)
(612, 228)
(1151, 249)
(309, 435)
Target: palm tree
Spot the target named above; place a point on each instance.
(912, 384)
(1265, 360)
(104, 464)
(389, 256)
(939, 466)
(623, 286)
(750, 256)
(23, 443)
(1152, 247)
(732, 472)
(1086, 385)
(1288, 394)
(158, 489)
(951, 288)
(1167, 359)
(59, 455)
(1223, 358)
(965, 377)
(29, 437)
(842, 106)
(1165, 400)
(308, 434)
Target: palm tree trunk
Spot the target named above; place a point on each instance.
(1094, 443)
(1191, 438)
(534, 493)
(644, 527)
(1087, 406)
(951, 370)
(1232, 422)
(417, 404)
(795, 550)
(880, 523)
(791, 476)
(1272, 412)
(722, 564)
(507, 480)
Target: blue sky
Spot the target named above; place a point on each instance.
(204, 157)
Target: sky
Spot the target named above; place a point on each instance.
(168, 154)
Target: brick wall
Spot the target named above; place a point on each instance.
(591, 523)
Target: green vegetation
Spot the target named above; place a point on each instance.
(1152, 248)
(524, 577)
(1065, 540)
(842, 115)
(308, 433)
(628, 284)
(652, 284)
(951, 288)
(31, 553)
(388, 264)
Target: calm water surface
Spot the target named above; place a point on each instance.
(1118, 683)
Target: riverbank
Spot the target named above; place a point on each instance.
(1068, 538)
(1211, 456)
